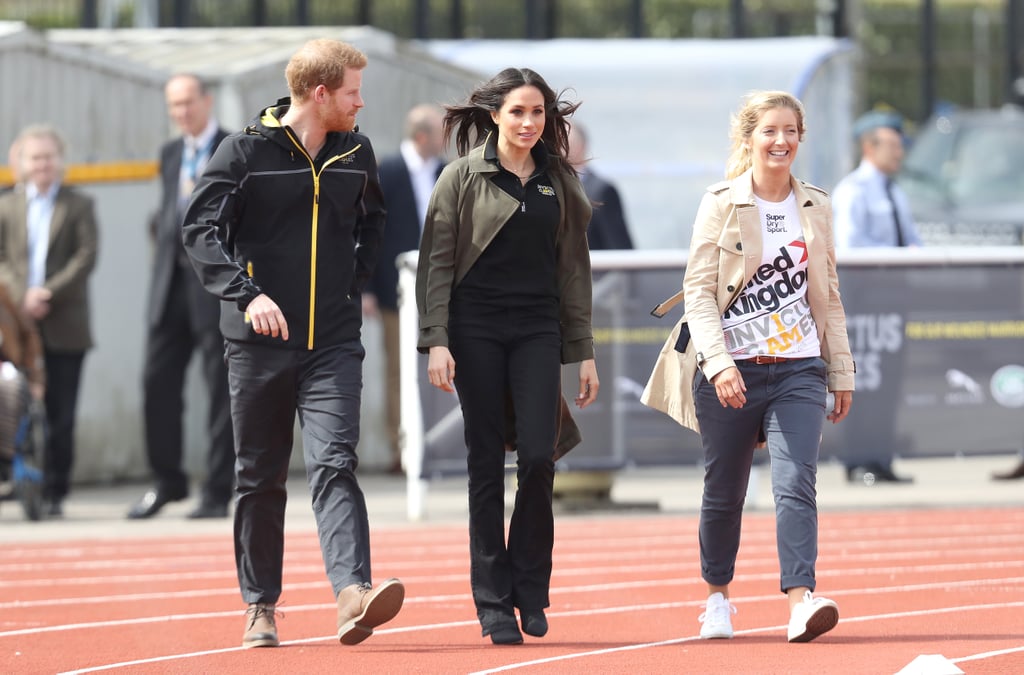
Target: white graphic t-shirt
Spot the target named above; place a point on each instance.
(771, 315)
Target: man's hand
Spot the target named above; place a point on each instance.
(37, 302)
(370, 307)
(266, 317)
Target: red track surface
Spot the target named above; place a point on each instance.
(625, 599)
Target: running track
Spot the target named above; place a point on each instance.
(625, 599)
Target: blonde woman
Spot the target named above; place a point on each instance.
(763, 340)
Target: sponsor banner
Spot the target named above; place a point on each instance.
(940, 369)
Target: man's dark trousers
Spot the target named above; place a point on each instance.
(268, 386)
(169, 347)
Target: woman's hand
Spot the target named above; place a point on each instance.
(729, 386)
(589, 384)
(441, 368)
(841, 407)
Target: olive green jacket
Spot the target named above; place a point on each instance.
(465, 213)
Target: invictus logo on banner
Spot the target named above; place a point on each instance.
(872, 335)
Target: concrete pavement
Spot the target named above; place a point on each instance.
(98, 511)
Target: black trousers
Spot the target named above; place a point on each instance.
(268, 386)
(170, 345)
(63, 375)
(503, 353)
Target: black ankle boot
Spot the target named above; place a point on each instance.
(506, 634)
(534, 622)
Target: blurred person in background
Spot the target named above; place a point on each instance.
(871, 210)
(869, 207)
(12, 165)
(762, 343)
(48, 249)
(182, 319)
(608, 229)
(407, 179)
(22, 375)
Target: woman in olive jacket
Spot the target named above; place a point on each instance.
(504, 290)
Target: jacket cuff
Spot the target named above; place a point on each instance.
(249, 293)
(578, 350)
(434, 336)
(714, 365)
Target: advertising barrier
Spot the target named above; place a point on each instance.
(937, 335)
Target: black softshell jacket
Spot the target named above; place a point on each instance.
(265, 217)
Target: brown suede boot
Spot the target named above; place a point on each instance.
(260, 628)
(362, 608)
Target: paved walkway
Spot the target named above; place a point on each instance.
(98, 511)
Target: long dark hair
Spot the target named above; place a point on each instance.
(471, 121)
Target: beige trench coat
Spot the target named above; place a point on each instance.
(725, 252)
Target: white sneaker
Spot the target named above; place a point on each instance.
(716, 621)
(811, 618)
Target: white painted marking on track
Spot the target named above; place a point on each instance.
(564, 657)
(463, 597)
(749, 631)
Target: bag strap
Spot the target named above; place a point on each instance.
(665, 306)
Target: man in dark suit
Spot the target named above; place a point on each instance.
(48, 244)
(407, 179)
(608, 229)
(183, 318)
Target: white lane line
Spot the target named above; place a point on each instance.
(285, 643)
(764, 629)
(830, 538)
(832, 564)
(466, 598)
(577, 655)
(589, 572)
(988, 655)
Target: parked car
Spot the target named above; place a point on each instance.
(964, 177)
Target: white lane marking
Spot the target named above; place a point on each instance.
(763, 629)
(578, 655)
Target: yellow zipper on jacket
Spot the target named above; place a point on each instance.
(248, 270)
(315, 225)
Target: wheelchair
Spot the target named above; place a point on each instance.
(22, 444)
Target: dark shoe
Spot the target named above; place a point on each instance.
(884, 473)
(1012, 474)
(362, 608)
(505, 634)
(534, 622)
(260, 627)
(208, 510)
(54, 508)
(152, 502)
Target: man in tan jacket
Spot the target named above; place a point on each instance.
(48, 243)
